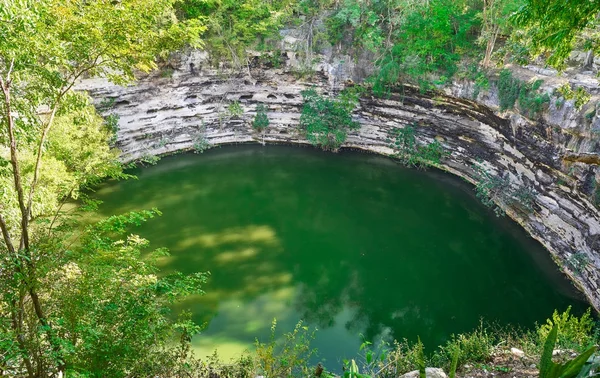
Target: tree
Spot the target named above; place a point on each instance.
(495, 20)
(551, 27)
(327, 121)
(52, 144)
(235, 25)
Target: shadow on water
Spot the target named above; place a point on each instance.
(354, 244)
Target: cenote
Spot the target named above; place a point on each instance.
(353, 244)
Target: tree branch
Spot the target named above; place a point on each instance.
(14, 158)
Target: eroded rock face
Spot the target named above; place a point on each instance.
(165, 115)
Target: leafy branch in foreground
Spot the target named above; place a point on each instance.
(56, 145)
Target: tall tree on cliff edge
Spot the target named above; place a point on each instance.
(53, 144)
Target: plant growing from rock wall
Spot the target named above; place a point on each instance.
(496, 190)
(411, 153)
(234, 110)
(508, 90)
(511, 89)
(531, 103)
(580, 95)
(326, 121)
(261, 119)
(578, 262)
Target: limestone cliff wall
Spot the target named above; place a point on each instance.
(163, 115)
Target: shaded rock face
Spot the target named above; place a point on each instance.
(165, 115)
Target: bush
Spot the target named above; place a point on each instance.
(532, 103)
(494, 190)
(573, 333)
(580, 95)
(290, 357)
(474, 347)
(508, 90)
(327, 121)
(411, 153)
(261, 120)
(511, 89)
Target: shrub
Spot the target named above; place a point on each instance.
(474, 347)
(573, 332)
(327, 121)
(532, 103)
(235, 110)
(508, 90)
(404, 357)
(569, 369)
(494, 190)
(289, 357)
(261, 119)
(580, 95)
(411, 153)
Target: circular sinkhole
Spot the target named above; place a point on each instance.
(353, 244)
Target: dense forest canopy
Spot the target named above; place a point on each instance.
(82, 299)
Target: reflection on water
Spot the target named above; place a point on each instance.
(352, 244)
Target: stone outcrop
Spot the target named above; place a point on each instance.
(163, 115)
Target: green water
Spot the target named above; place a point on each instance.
(354, 244)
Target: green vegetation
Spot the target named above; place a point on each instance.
(569, 369)
(261, 119)
(511, 89)
(236, 25)
(553, 27)
(82, 301)
(75, 301)
(495, 190)
(411, 153)
(580, 95)
(326, 121)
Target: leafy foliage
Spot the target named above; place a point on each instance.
(411, 153)
(573, 332)
(580, 95)
(234, 25)
(496, 190)
(569, 369)
(288, 359)
(327, 121)
(261, 119)
(551, 27)
(67, 302)
(473, 347)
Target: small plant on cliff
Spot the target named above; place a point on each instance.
(508, 90)
(511, 89)
(411, 153)
(495, 190)
(578, 261)
(261, 119)
(580, 95)
(327, 121)
(234, 110)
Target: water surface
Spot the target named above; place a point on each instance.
(353, 244)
